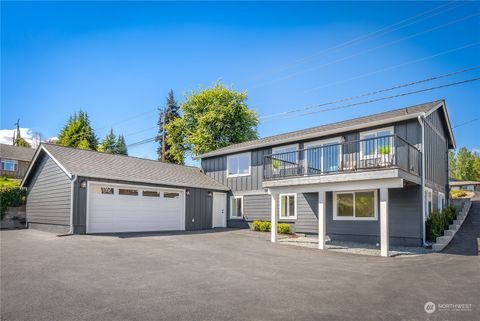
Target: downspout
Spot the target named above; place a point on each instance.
(422, 125)
(72, 192)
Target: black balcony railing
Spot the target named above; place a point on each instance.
(360, 155)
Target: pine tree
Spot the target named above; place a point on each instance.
(120, 146)
(166, 116)
(108, 143)
(78, 132)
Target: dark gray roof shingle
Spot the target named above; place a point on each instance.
(18, 153)
(118, 167)
(324, 129)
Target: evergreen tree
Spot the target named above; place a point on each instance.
(18, 139)
(120, 146)
(78, 132)
(108, 143)
(166, 116)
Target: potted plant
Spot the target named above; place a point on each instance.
(385, 152)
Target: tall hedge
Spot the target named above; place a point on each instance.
(11, 197)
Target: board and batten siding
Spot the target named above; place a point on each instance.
(49, 195)
(436, 152)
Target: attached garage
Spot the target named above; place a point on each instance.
(80, 191)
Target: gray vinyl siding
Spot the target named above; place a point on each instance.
(307, 213)
(198, 205)
(436, 152)
(49, 195)
(257, 207)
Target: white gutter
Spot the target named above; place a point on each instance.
(72, 192)
(422, 125)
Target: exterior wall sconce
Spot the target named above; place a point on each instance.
(187, 192)
(210, 193)
(83, 184)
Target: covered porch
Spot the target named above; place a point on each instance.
(360, 206)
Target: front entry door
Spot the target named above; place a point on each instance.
(219, 215)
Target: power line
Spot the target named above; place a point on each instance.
(364, 37)
(371, 93)
(467, 122)
(394, 66)
(369, 49)
(385, 98)
(148, 140)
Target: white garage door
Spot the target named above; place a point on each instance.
(125, 208)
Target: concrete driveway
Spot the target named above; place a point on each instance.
(227, 275)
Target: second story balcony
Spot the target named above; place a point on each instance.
(372, 154)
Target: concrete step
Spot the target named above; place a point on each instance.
(457, 222)
(449, 232)
(443, 239)
(438, 247)
(454, 226)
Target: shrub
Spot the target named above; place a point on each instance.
(265, 226)
(437, 222)
(284, 228)
(11, 196)
(458, 193)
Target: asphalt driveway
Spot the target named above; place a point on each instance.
(227, 275)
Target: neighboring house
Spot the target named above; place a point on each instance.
(465, 185)
(15, 160)
(81, 191)
(365, 178)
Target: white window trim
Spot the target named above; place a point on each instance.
(15, 162)
(231, 208)
(249, 164)
(428, 196)
(440, 200)
(354, 218)
(368, 132)
(286, 218)
(321, 143)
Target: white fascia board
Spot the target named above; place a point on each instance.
(449, 125)
(311, 135)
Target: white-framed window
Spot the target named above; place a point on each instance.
(236, 207)
(107, 190)
(287, 157)
(428, 201)
(128, 192)
(441, 201)
(10, 165)
(373, 146)
(355, 205)
(238, 165)
(287, 206)
(323, 156)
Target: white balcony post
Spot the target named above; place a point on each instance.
(321, 220)
(274, 218)
(384, 225)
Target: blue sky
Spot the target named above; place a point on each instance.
(118, 60)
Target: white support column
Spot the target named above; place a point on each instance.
(384, 225)
(274, 218)
(321, 220)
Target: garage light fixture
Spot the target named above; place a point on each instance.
(210, 193)
(187, 192)
(83, 184)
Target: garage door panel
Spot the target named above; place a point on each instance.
(129, 213)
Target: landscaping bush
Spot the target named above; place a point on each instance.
(265, 226)
(458, 193)
(10, 197)
(437, 222)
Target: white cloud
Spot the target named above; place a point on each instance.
(6, 136)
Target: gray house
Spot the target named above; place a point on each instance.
(72, 190)
(14, 160)
(370, 179)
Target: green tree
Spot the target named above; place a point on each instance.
(18, 139)
(212, 118)
(120, 146)
(452, 164)
(108, 143)
(78, 132)
(166, 116)
(464, 168)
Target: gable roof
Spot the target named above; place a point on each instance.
(18, 153)
(93, 164)
(333, 128)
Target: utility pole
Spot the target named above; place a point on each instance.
(16, 134)
(163, 133)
